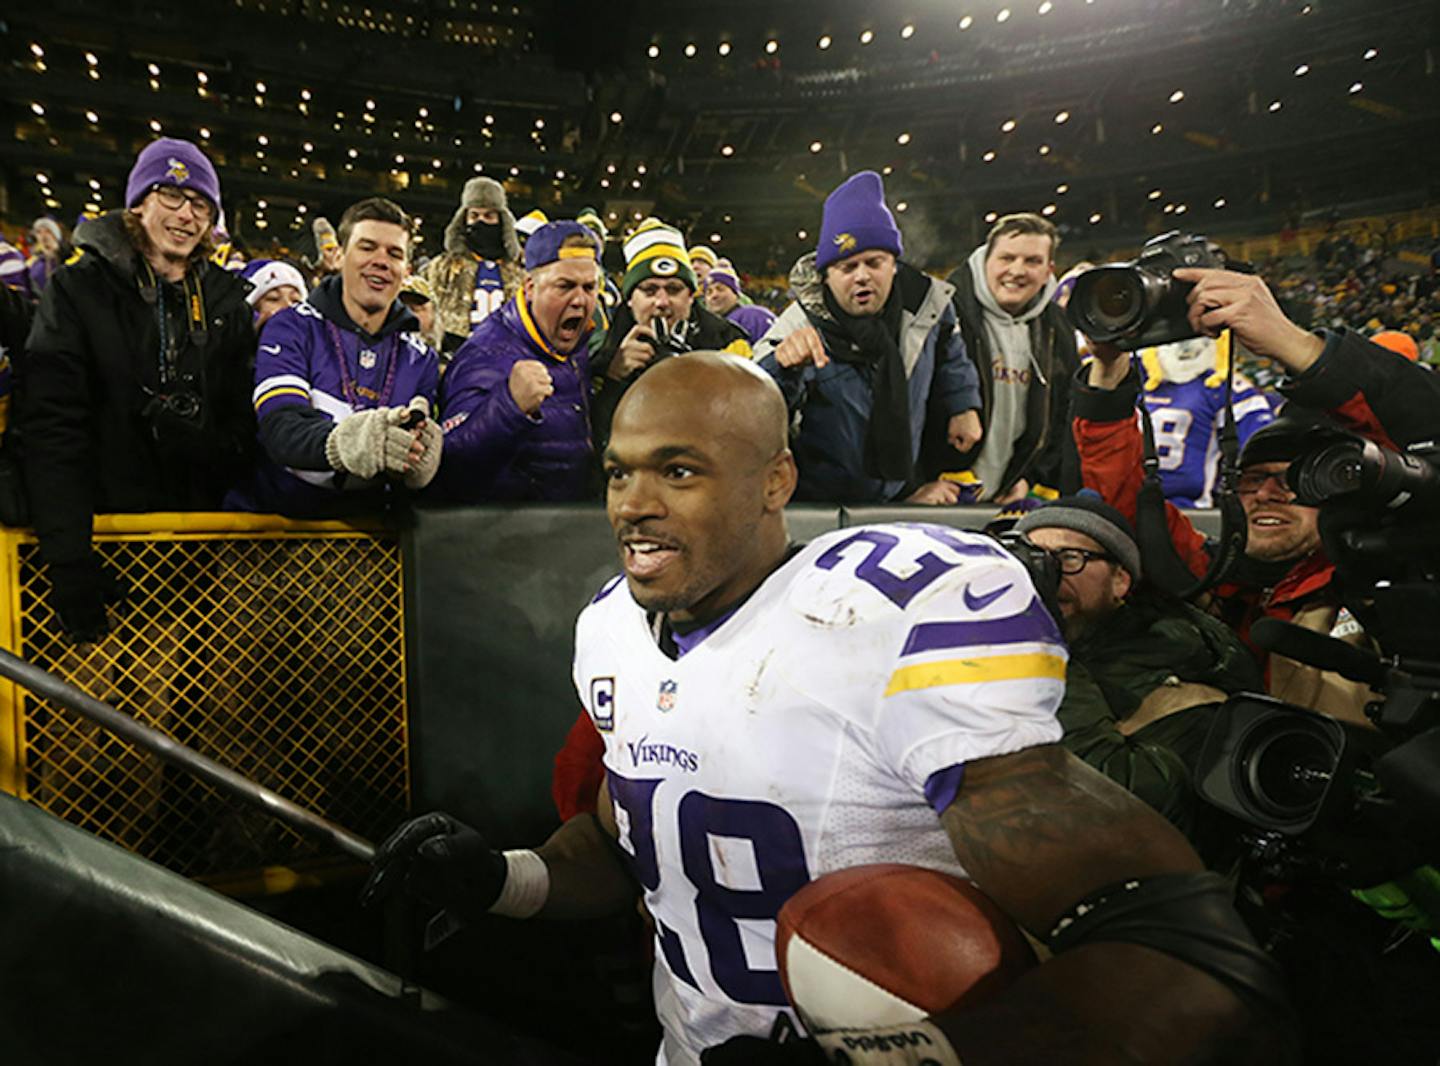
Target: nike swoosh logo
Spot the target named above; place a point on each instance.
(273, 349)
(979, 603)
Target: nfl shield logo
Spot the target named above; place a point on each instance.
(666, 700)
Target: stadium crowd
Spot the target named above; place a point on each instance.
(151, 368)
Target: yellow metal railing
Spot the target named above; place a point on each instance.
(274, 647)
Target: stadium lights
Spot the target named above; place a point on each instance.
(92, 59)
(1155, 194)
(94, 183)
(1180, 209)
(309, 147)
(353, 153)
(91, 117)
(1062, 117)
(1045, 8)
(714, 238)
(888, 170)
(824, 42)
(802, 235)
(1302, 70)
(772, 46)
(155, 125)
(42, 179)
(204, 133)
(690, 50)
(202, 77)
(904, 138)
(966, 21)
(369, 105)
(1095, 218)
(261, 204)
(1048, 210)
(262, 139)
(604, 183)
(1356, 87)
(989, 156)
(305, 95)
(991, 216)
(1177, 96)
(1370, 53)
(907, 31)
(653, 51)
(1044, 149)
(154, 70)
(559, 175)
(610, 168)
(727, 149)
(723, 48)
(489, 120)
(38, 108)
(1219, 203)
(1008, 126)
(639, 168)
(616, 117)
(435, 163)
(1003, 15)
(36, 50)
(514, 172)
(902, 206)
(866, 36)
(635, 183)
(1158, 128)
(815, 146)
(260, 87)
(1274, 106)
(1062, 189)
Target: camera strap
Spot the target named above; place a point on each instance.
(154, 292)
(1163, 564)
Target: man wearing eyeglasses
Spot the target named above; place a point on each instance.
(1145, 670)
(137, 376)
(660, 317)
(1284, 573)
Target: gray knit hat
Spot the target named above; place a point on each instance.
(1088, 514)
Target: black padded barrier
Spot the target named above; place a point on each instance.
(106, 957)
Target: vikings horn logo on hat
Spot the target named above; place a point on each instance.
(178, 170)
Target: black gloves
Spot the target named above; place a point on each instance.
(757, 1051)
(79, 594)
(440, 862)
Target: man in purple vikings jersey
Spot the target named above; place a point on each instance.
(343, 385)
(516, 405)
(1185, 395)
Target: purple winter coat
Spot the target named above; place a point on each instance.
(493, 451)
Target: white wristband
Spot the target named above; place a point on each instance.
(527, 885)
(913, 1044)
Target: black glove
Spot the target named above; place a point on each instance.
(757, 1051)
(440, 862)
(79, 593)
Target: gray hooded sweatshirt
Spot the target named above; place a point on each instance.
(1014, 368)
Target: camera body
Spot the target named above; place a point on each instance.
(1140, 304)
(1359, 805)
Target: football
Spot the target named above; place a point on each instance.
(887, 944)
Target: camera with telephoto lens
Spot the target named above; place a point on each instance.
(1324, 797)
(1139, 304)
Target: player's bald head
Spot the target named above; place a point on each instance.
(725, 398)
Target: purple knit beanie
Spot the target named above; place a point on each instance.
(723, 273)
(856, 220)
(169, 161)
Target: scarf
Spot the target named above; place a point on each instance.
(872, 342)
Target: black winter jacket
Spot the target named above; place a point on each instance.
(92, 367)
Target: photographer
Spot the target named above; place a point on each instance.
(660, 317)
(1284, 573)
(137, 376)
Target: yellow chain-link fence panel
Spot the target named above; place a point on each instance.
(274, 648)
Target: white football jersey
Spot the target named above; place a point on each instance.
(798, 738)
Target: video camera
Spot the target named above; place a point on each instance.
(1140, 304)
(1354, 805)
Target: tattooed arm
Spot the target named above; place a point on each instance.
(1039, 830)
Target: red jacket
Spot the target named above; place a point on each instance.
(1364, 387)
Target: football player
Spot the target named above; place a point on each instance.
(773, 712)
